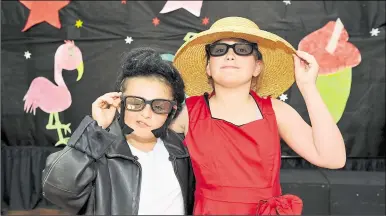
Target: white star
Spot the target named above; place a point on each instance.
(129, 40)
(27, 55)
(283, 97)
(287, 2)
(374, 32)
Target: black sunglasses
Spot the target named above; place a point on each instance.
(159, 106)
(220, 49)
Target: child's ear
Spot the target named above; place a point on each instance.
(258, 68)
(208, 70)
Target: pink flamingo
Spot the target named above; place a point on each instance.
(52, 98)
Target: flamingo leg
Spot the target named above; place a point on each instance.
(50, 124)
(58, 126)
(65, 127)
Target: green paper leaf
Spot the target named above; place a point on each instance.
(189, 36)
(335, 90)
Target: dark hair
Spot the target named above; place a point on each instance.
(146, 62)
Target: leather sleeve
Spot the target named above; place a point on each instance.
(192, 186)
(69, 174)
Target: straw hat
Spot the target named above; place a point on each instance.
(278, 73)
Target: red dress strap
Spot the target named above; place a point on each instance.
(265, 103)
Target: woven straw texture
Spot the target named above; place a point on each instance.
(278, 73)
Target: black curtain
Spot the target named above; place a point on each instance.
(26, 142)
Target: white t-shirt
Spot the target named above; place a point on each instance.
(160, 190)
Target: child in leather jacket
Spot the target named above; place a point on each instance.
(124, 160)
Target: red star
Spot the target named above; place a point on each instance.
(123, 1)
(41, 11)
(205, 21)
(156, 21)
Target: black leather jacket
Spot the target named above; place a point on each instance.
(96, 173)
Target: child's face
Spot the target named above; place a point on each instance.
(231, 69)
(146, 120)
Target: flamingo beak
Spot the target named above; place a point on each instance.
(80, 69)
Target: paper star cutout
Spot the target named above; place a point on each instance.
(129, 40)
(193, 7)
(283, 97)
(27, 55)
(205, 21)
(41, 11)
(287, 2)
(374, 32)
(79, 23)
(156, 21)
(123, 1)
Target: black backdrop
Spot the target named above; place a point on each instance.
(107, 23)
(25, 140)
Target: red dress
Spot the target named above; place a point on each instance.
(237, 168)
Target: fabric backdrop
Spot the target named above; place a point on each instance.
(347, 38)
(356, 94)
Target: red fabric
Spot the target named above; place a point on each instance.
(282, 205)
(237, 168)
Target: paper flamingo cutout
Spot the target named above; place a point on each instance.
(193, 7)
(55, 97)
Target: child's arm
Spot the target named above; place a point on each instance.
(322, 144)
(69, 174)
(181, 123)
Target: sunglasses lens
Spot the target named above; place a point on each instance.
(218, 49)
(243, 49)
(161, 106)
(239, 49)
(134, 104)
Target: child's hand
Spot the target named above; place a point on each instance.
(306, 69)
(105, 107)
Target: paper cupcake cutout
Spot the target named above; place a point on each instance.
(336, 58)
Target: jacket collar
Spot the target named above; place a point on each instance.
(172, 141)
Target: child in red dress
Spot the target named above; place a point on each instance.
(233, 133)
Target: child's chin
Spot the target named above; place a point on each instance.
(144, 133)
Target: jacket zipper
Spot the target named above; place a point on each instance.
(179, 181)
(139, 185)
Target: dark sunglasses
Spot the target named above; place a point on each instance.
(159, 106)
(220, 49)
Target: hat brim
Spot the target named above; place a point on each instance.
(276, 78)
